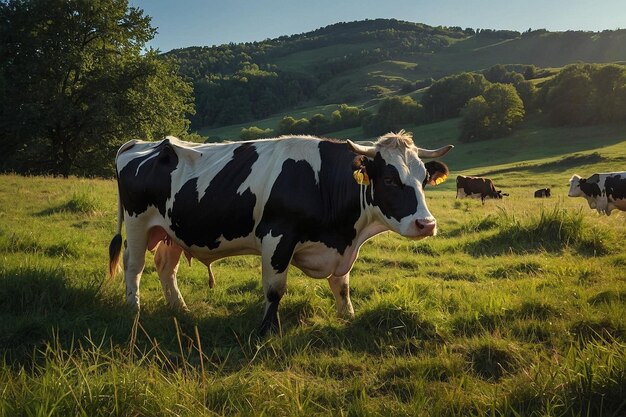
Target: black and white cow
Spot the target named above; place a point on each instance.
(303, 201)
(603, 192)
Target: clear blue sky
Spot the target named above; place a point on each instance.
(184, 23)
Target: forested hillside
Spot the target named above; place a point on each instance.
(358, 61)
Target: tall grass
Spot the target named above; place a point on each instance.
(552, 229)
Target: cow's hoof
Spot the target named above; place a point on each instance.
(269, 327)
(133, 303)
(345, 312)
(346, 315)
(179, 306)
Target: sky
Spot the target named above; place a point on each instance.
(182, 23)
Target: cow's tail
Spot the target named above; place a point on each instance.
(115, 247)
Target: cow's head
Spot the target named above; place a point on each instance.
(500, 194)
(574, 187)
(397, 177)
(547, 192)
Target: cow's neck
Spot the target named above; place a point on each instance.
(367, 227)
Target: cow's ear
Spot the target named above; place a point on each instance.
(437, 172)
(362, 170)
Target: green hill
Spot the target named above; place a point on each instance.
(359, 61)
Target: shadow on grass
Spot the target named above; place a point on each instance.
(382, 329)
(26, 243)
(560, 164)
(80, 203)
(41, 307)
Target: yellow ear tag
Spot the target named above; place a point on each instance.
(361, 177)
(440, 179)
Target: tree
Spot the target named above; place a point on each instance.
(530, 72)
(290, 126)
(392, 113)
(527, 92)
(499, 74)
(475, 121)
(320, 124)
(493, 114)
(609, 83)
(76, 85)
(569, 97)
(445, 98)
(350, 115)
(254, 132)
(584, 94)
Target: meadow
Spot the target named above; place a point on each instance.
(516, 308)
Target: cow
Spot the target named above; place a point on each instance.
(604, 192)
(302, 201)
(542, 192)
(477, 187)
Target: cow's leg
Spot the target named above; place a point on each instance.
(275, 258)
(211, 277)
(274, 287)
(167, 259)
(340, 286)
(134, 262)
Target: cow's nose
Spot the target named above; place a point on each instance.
(426, 227)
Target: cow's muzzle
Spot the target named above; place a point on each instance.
(426, 227)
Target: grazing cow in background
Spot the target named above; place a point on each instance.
(603, 192)
(543, 192)
(303, 201)
(476, 187)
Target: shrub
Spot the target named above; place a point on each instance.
(290, 126)
(393, 112)
(254, 132)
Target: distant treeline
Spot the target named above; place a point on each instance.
(234, 83)
(491, 103)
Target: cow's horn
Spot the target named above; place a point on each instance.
(435, 153)
(369, 151)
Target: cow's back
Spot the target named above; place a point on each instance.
(209, 195)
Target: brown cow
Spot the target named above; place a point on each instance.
(477, 187)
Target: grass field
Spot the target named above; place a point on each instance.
(516, 308)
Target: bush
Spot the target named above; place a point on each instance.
(254, 132)
(392, 113)
(290, 126)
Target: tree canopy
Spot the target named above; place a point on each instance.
(493, 114)
(75, 84)
(446, 97)
(584, 94)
